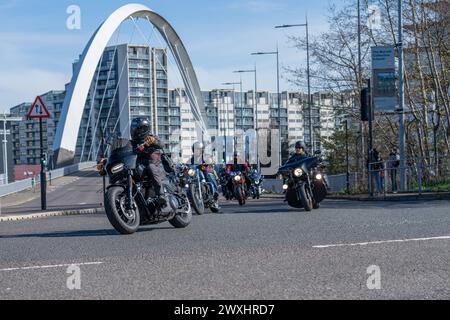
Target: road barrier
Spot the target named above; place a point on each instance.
(33, 182)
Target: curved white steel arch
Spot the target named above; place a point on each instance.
(78, 89)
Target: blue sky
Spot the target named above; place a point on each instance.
(36, 48)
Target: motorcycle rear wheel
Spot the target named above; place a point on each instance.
(182, 220)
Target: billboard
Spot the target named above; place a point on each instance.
(384, 79)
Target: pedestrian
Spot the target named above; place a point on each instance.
(393, 164)
(376, 166)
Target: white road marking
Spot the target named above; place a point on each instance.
(52, 266)
(380, 242)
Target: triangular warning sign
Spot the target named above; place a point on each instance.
(38, 110)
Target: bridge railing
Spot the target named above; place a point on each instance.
(32, 182)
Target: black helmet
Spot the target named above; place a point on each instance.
(299, 145)
(140, 129)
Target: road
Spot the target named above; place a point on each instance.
(79, 190)
(264, 250)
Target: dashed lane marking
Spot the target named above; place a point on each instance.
(380, 242)
(51, 266)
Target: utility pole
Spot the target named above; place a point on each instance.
(5, 151)
(402, 137)
(359, 79)
(370, 143)
(347, 156)
(311, 131)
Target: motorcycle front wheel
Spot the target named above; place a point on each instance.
(196, 199)
(305, 198)
(239, 195)
(123, 220)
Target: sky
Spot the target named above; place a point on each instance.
(37, 49)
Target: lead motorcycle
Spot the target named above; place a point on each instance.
(305, 182)
(130, 199)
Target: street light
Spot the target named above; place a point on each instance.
(311, 139)
(6, 119)
(227, 123)
(278, 94)
(255, 106)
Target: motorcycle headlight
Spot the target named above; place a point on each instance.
(237, 178)
(191, 172)
(117, 168)
(319, 176)
(285, 186)
(298, 172)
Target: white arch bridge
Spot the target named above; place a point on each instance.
(77, 92)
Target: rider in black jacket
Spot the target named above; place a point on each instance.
(150, 153)
(300, 153)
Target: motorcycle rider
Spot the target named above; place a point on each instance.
(300, 152)
(244, 168)
(150, 154)
(210, 175)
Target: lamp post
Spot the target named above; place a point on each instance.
(278, 95)
(234, 104)
(255, 106)
(311, 133)
(402, 137)
(6, 119)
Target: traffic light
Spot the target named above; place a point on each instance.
(44, 159)
(365, 104)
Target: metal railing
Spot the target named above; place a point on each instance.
(34, 181)
(423, 174)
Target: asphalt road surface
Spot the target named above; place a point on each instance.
(264, 250)
(79, 190)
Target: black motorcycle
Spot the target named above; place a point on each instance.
(256, 180)
(225, 183)
(201, 191)
(130, 199)
(305, 183)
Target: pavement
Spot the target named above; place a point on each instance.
(264, 250)
(78, 193)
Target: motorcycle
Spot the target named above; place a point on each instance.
(202, 193)
(256, 184)
(225, 181)
(130, 200)
(239, 187)
(305, 183)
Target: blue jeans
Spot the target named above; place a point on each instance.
(377, 177)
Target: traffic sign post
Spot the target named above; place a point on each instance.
(39, 111)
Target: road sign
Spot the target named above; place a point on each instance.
(38, 110)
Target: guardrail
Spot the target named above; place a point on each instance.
(54, 174)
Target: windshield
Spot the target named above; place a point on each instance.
(117, 143)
